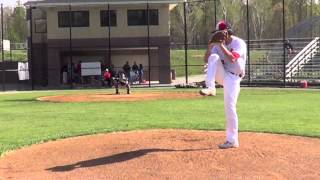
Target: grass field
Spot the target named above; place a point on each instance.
(195, 60)
(25, 121)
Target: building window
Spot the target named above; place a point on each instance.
(139, 17)
(104, 18)
(78, 19)
(41, 26)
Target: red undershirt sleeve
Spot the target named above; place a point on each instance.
(235, 55)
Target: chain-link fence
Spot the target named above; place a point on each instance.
(268, 27)
(71, 45)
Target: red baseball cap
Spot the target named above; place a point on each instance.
(222, 25)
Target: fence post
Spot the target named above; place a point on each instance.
(311, 14)
(109, 35)
(70, 47)
(215, 12)
(2, 51)
(284, 49)
(284, 38)
(148, 41)
(185, 40)
(10, 54)
(31, 49)
(248, 45)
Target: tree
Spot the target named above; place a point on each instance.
(195, 19)
(265, 18)
(17, 26)
(259, 17)
(230, 11)
(7, 13)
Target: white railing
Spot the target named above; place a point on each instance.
(303, 57)
(16, 46)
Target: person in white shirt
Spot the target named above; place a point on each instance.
(226, 65)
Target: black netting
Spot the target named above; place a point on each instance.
(169, 41)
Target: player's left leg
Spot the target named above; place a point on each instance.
(231, 93)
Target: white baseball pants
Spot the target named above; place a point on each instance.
(231, 86)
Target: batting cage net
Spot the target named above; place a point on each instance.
(76, 44)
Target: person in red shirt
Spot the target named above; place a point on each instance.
(107, 77)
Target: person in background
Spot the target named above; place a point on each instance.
(140, 73)
(126, 69)
(64, 72)
(135, 67)
(289, 47)
(107, 77)
(79, 78)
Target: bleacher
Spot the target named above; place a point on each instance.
(271, 65)
(311, 70)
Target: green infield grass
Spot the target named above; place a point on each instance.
(25, 121)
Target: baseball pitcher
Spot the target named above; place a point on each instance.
(226, 59)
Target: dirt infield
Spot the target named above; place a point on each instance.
(136, 96)
(166, 154)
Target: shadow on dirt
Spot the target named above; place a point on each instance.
(116, 158)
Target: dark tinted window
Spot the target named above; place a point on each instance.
(78, 19)
(104, 18)
(139, 17)
(41, 26)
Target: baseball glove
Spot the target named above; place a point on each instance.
(218, 37)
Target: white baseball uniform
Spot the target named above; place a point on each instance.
(228, 74)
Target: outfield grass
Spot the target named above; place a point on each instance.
(195, 60)
(25, 121)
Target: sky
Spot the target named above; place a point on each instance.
(11, 2)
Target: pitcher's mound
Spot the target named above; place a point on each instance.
(136, 96)
(166, 154)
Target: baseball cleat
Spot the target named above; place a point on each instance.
(228, 145)
(208, 92)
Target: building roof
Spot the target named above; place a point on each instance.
(50, 3)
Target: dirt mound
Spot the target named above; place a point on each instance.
(136, 96)
(166, 154)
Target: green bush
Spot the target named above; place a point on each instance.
(15, 55)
